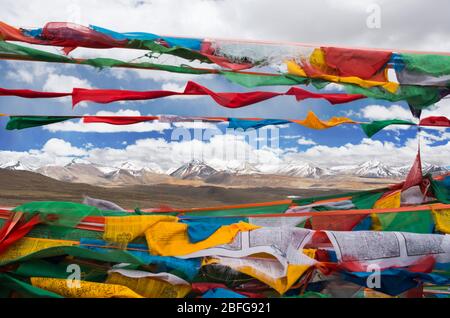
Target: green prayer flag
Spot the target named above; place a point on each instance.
(25, 289)
(375, 126)
(42, 268)
(106, 255)
(441, 190)
(179, 51)
(432, 64)
(68, 214)
(22, 122)
(271, 209)
(107, 62)
(7, 48)
(355, 194)
(254, 80)
(417, 96)
(366, 200)
(414, 222)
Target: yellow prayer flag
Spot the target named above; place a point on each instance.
(171, 238)
(313, 122)
(295, 69)
(391, 201)
(442, 220)
(28, 245)
(124, 229)
(85, 289)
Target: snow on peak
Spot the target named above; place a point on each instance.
(305, 170)
(129, 166)
(375, 169)
(245, 168)
(194, 169)
(17, 165)
(78, 161)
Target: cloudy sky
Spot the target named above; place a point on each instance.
(404, 24)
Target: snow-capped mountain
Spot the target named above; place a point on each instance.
(345, 169)
(152, 167)
(77, 170)
(195, 169)
(376, 169)
(304, 170)
(245, 169)
(106, 169)
(122, 175)
(129, 168)
(433, 169)
(78, 161)
(16, 165)
(129, 172)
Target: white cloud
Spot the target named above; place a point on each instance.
(378, 112)
(306, 141)
(20, 75)
(334, 87)
(59, 147)
(434, 135)
(28, 73)
(291, 136)
(221, 151)
(163, 76)
(64, 83)
(441, 108)
(350, 113)
(47, 78)
(211, 19)
(54, 152)
(369, 149)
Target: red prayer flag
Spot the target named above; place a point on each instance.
(26, 93)
(365, 64)
(105, 96)
(301, 94)
(64, 34)
(415, 174)
(230, 100)
(118, 120)
(14, 229)
(439, 121)
(336, 222)
(227, 99)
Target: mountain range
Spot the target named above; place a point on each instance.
(82, 171)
